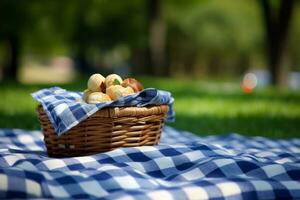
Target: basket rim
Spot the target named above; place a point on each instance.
(126, 111)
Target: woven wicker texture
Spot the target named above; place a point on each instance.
(105, 130)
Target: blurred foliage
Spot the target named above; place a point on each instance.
(295, 39)
(100, 24)
(218, 32)
(202, 36)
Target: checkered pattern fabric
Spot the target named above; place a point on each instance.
(182, 166)
(65, 109)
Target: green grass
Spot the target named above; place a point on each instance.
(203, 107)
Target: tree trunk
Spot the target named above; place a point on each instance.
(81, 61)
(81, 39)
(12, 63)
(157, 38)
(140, 62)
(243, 64)
(277, 27)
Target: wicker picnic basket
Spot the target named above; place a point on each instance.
(107, 129)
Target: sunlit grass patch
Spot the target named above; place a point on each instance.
(203, 107)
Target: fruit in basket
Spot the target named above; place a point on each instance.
(96, 82)
(113, 79)
(114, 91)
(97, 97)
(86, 94)
(133, 83)
(118, 91)
(112, 87)
(127, 91)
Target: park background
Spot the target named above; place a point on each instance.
(199, 50)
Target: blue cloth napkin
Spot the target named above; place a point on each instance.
(65, 109)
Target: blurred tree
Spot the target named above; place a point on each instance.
(213, 36)
(277, 17)
(14, 19)
(294, 39)
(102, 26)
(157, 38)
(27, 25)
(81, 36)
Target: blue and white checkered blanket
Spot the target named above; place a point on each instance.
(65, 109)
(182, 166)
